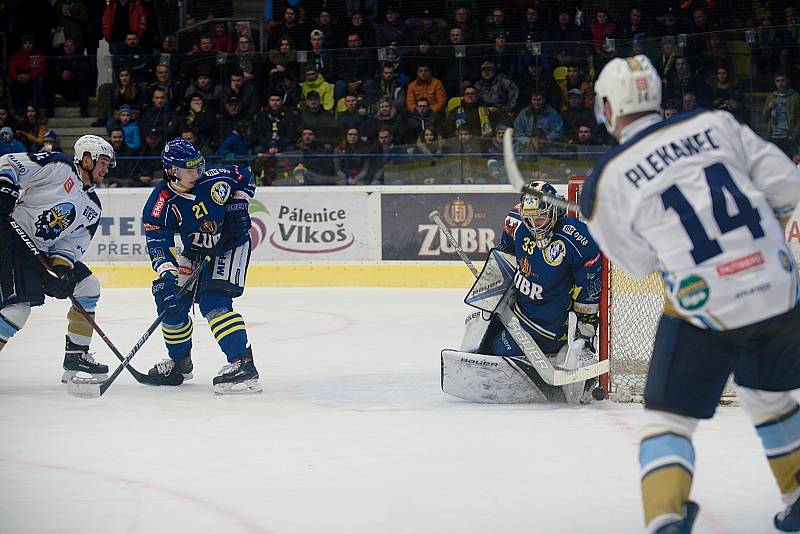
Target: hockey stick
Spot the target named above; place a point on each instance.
(516, 179)
(551, 375)
(140, 377)
(93, 390)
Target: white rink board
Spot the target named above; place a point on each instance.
(351, 435)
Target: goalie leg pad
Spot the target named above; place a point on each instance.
(475, 327)
(484, 378)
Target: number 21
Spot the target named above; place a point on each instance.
(719, 180)
(199, 210)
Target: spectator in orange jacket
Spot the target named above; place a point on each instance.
(115, 33)
(428, 87)
(26, 74)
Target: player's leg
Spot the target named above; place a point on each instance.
(20, 285)
(176, 329)
(682, 388)
(221, 283)
(764, 377)
(77, 358)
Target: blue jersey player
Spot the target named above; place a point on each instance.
(558, 270)
(208, 208)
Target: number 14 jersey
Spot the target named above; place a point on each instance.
(696, 198)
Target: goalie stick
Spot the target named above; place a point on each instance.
(92, 390)
(551, 375)
(140, 377)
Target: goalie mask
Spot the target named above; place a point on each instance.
(539, 216)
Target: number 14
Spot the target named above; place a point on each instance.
(719, 180)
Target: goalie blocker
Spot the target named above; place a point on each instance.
(534, 377)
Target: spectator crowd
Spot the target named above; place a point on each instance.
(379, 93)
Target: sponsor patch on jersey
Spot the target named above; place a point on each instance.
(158, 207)
(592, 261)
(741, 264)
(20, 167)
(52, 222)
(525, 266)
(69, 183)
(786, 261)
(90, 213)
(220, 192)
(692, 292)
(554, 253)
(208, 227)
(151, 227)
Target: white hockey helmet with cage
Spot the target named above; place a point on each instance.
(539, 216)
(629, 85)
(96, 146)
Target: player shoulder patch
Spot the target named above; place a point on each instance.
(220, 192)
(55, 220)
(161, 201)
(554, 253)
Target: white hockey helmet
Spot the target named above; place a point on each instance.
(629, 85)
(96, 146)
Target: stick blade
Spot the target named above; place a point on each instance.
(512, 170)
(84, 390)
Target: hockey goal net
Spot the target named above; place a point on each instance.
(629, 312)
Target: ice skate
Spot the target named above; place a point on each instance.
(789, 519)
(684, 526)
(78, 359)
(240, 376)
(169, 372)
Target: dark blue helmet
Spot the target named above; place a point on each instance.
(180, 153)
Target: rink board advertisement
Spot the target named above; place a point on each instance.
(475, 220)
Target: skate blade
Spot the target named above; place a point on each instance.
(242, 388)
(83, 377)
(83, 389)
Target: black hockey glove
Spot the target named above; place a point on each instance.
(60, 286)
(237, 224)
(9, 193)
(165, 292)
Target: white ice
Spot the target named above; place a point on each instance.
(352, 435)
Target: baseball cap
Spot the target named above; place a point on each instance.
(575, 91)
(153, 133)
(487, 65)
(317, 33)
(125, 107)
(6, 130)
(426, 13)
(312, 94)
(51, 134)
(233, 99)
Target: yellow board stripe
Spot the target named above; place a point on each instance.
(219, 336)
(213, 322)
(216, 329)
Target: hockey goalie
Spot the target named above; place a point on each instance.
(538, 293)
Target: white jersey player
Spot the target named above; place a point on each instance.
(52, 199)
(700, 198)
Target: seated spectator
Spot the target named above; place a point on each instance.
(670, 108)
(316, 82)
(9, 145)
(428, 165)
(203, 58)
(583, 138)
(327, 26)
(31, 129)
(246, 91)
(665, 61)
(317, 170)
(423, 54)
(366, 127)
(503, 56)
(233, 146)
(721, 87)
(635, 25)
(565, 36)
(462, 19)
(714, 56)
(537, 124)
(275, 127)
(497, 25)
(146, 168)
(681, 81)
(121, 17)
(350, 117)
(27, 71)
(286, 87)
(204, 86)
(466, 147)
(313, 116)
(291, 26)
(576, 115)
(421, 118)
(392, 29)
(362, 27)
(497, 91)
(781, 112)
(175, 94)
(170, 55)
(247, 60)
(428, 87)
(355, 69)
(130, 128)
(204, 148)
(351, 161)
(135, 59)
(7, 118)
(398, 63)
(388, 118)
(461, 64)
(110, 98)
(493, 150)
(390, 156)
(427, 28)
(736, 106)
(242, 29)
(536, 78)
(575, 80)
(73, 17)
(389, 88)
(689, 102)
(601, 28)
(69, 77)
(472, 114)
(201, 121)
(121, 175)
(282, 58)
(159, 116)
(51, 142)
(322, 59)
(221, 38)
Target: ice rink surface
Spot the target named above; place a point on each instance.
(352, 435)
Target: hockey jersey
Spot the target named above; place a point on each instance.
(198, 216)
(695, 197)
(549, 280)
(54, 209)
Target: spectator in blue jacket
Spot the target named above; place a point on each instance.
(9, 145)
(537, 124)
